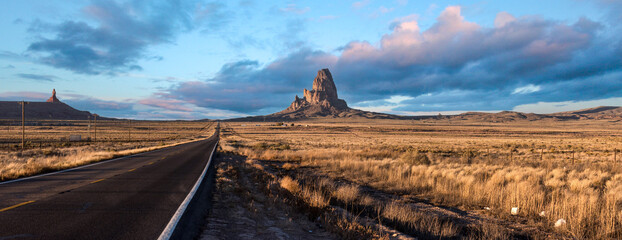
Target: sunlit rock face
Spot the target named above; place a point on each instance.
(322, 99)
(53, 98)
(320, 102)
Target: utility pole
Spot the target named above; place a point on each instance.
(129, 131)
(23, 123)
(95, 137)
(89, 128)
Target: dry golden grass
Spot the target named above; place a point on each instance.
(48, 150)
(420, 222)
(347, 193)
(314, 198)
(290, 184)
(568, 170)
(55, 133)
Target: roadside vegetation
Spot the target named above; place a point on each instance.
(47, 146)
(451, 180)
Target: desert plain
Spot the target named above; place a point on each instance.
(442, 178)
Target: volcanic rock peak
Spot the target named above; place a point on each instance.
(323, 94)
(323, 82)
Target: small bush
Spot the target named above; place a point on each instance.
(51, 152)
(280, 146)
(274, 146)
(468, 155)
(347, 193)
(314, 198)
(235, 144)
(288, 166)
(290, 184)
(414, 157)
(260, 146)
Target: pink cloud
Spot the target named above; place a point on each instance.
(360, 4)
(24, 95)
(503, 18)
(169, 104)
(454, 41)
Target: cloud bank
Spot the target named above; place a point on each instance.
(453, 65)
(116, 35)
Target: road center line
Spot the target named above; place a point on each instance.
(16, 205)
(131, 170)
(98, 180)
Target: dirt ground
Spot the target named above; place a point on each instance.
(243, 208)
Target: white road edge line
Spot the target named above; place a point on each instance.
(170, 227)
(89, 165)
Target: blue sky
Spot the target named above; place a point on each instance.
(207, 59)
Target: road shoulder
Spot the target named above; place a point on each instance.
(242, 207)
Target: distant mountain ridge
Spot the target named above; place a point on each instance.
(602, 112)
(320, 102)
(52, 109)
(597, 113)
(323, 102)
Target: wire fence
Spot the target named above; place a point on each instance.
(60, 133)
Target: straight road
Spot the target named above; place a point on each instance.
(127, 198)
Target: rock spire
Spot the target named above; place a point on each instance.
(53, 98)
(323, 95)
(319, 102)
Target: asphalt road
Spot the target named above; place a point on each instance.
(128, 198)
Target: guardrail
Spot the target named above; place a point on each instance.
(173, 229)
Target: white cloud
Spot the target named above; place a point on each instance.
(553, 107)
(397, 99)
(381, 109)
(384, 105)
(384, 9)
(526, 89)
(435, 113)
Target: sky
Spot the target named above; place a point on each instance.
(194, 59)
